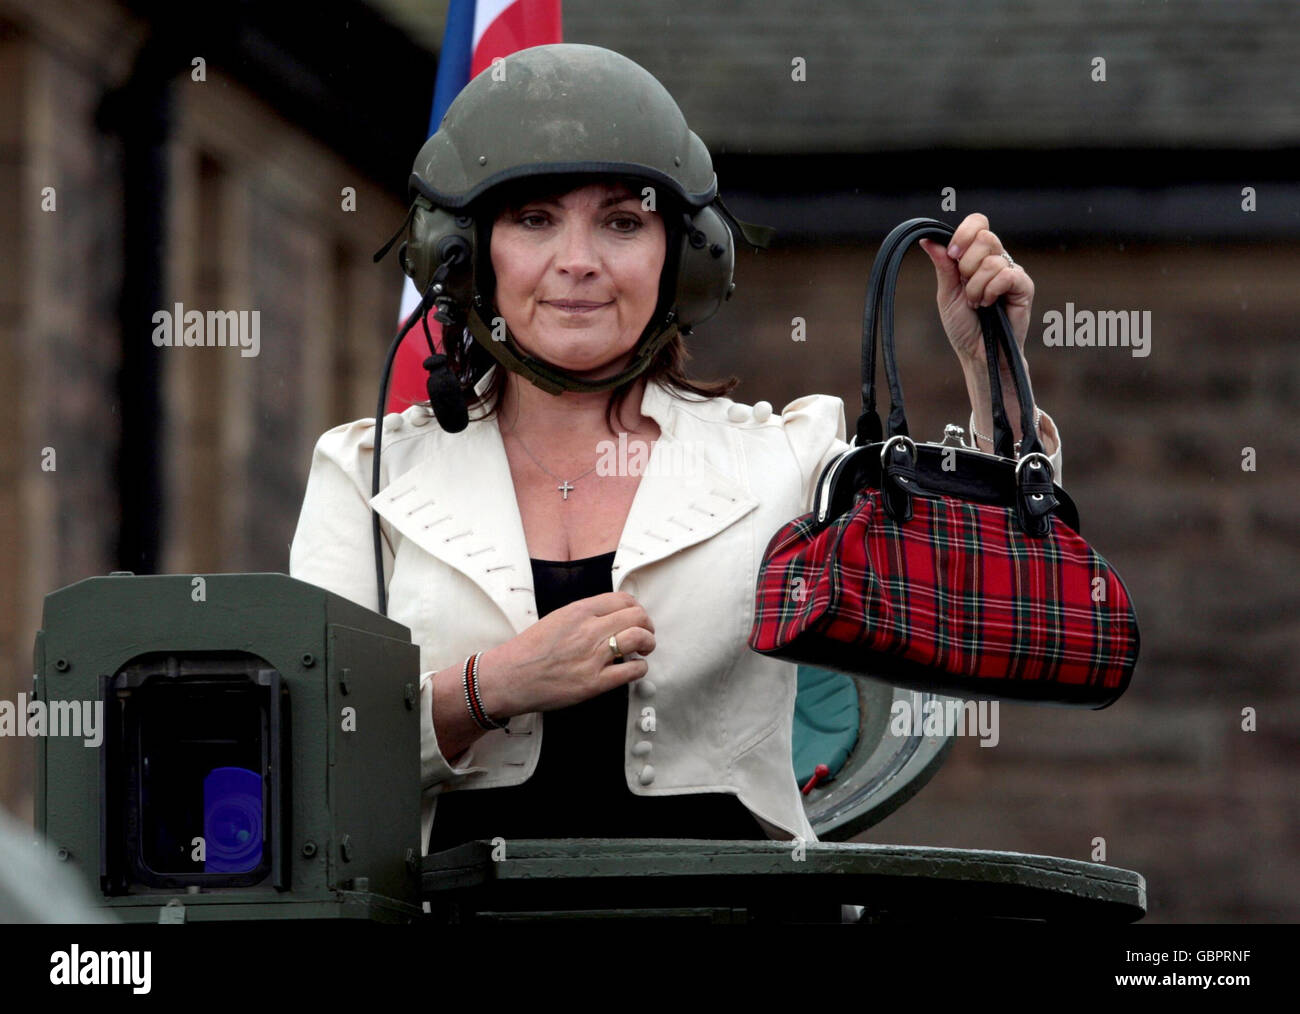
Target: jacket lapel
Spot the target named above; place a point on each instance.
(457, 503)
(682, 499)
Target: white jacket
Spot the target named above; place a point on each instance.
(711, 715)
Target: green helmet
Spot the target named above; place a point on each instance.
(568, 110)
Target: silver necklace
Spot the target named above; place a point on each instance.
(565, 485)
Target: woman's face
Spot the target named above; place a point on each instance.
(578, 276)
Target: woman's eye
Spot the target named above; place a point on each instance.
(632, 224)
(530, 216)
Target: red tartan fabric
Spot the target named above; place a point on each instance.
(958, 588)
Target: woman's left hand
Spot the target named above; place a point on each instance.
(972, 272)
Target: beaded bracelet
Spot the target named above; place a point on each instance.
(1038, 418)
(469, 679)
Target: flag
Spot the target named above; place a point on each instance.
(477, 32)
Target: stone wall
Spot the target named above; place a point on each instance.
(60, 273)
(256, 221)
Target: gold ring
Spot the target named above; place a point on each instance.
(613, 646)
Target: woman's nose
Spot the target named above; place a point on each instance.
(577, 251)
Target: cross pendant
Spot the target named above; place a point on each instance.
(564, 488)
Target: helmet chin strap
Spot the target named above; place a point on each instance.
(554, 380)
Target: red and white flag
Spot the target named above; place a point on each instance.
(477, 32)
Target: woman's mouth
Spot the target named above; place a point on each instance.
(577, 305)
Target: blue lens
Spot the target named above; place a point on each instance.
(232, 820)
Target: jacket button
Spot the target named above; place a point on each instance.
(647, 775)
(421, 418)
(762, 411)
(642, 748)
(392, 422)
(737, 412)
(644, 687)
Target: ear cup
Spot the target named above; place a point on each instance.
(697, 274)
(707, 265)
(433, 230)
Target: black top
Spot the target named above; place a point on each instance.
(578, 789)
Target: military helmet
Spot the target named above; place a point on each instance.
(567, 111)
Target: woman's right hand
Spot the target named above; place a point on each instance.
(565, 657)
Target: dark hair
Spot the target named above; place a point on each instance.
(470, 361)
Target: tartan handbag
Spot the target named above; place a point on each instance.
(943, 568)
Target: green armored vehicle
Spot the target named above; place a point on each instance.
(251, 752)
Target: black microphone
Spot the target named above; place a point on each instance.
(445, 396)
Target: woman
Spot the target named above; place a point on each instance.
(608, 607)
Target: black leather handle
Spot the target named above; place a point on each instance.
(879, 313)
(997, 329)
(868, 429)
